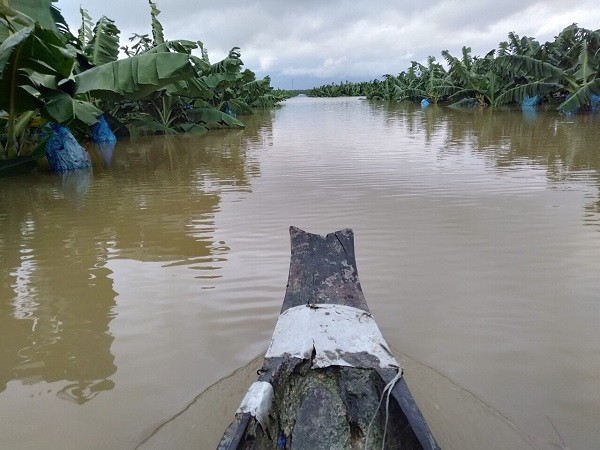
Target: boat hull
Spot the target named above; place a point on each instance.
(329, 380)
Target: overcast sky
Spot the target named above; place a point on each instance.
(311, 43)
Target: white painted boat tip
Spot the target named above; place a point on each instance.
(258, 401)
(332, 335)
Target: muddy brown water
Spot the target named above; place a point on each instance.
(128, 291)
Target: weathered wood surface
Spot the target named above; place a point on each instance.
(336, 407)
(323, 270)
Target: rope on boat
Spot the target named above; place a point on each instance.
(387, 391)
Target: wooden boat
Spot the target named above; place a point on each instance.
(329, 380)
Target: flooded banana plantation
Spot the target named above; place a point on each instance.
(136, 297)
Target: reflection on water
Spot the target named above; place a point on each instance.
(565, 149)
(104, 150)
(57, 233)
(142, 282)
(56, 293)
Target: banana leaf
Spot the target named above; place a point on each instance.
(240, 107)
(179, 46)
(582, 97)
(467, 102)
(231, 64)
(193, 128)
(40, 71)
(37, 49)
(62, 108)
(31, 58)
(104, 45)
(587, 65)
(85, 34)
(216, 79)
(23, 13)
(192, 88)
(211, 115)
(517, 94)
(135, 77)
(517, 64)
(157, 28)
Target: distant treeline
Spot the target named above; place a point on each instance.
(565, 71)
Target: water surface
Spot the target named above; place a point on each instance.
(126, 292)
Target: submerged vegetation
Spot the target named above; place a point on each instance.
(565, 71)
(49, 75)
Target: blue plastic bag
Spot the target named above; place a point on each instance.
(424, 103)
(227, 110)
(64, 152)
(530, 102)
(595, 102)
(101, 132)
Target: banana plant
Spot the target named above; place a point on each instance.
(159, 113)
(36, 75)
(36, 65)
(472, 81)
(570, 65)
(584, 77)
(252, 93)
(193, 103)
(567, 69)
(46, 70)
(430, 82)
(534, 77)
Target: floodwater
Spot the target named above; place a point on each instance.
(128, 291)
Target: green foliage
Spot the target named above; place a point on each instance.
(17, 14)
(134, 77)
(569, 66)
(582, 97)
(518, 93)
(85, 33)
(159, 88)
(527, 66)
(211, 96)
(208, 115)
(142, 43)
(36, 74)
(157, 28)
(344, 89)
(567, 69)
(103, 47)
